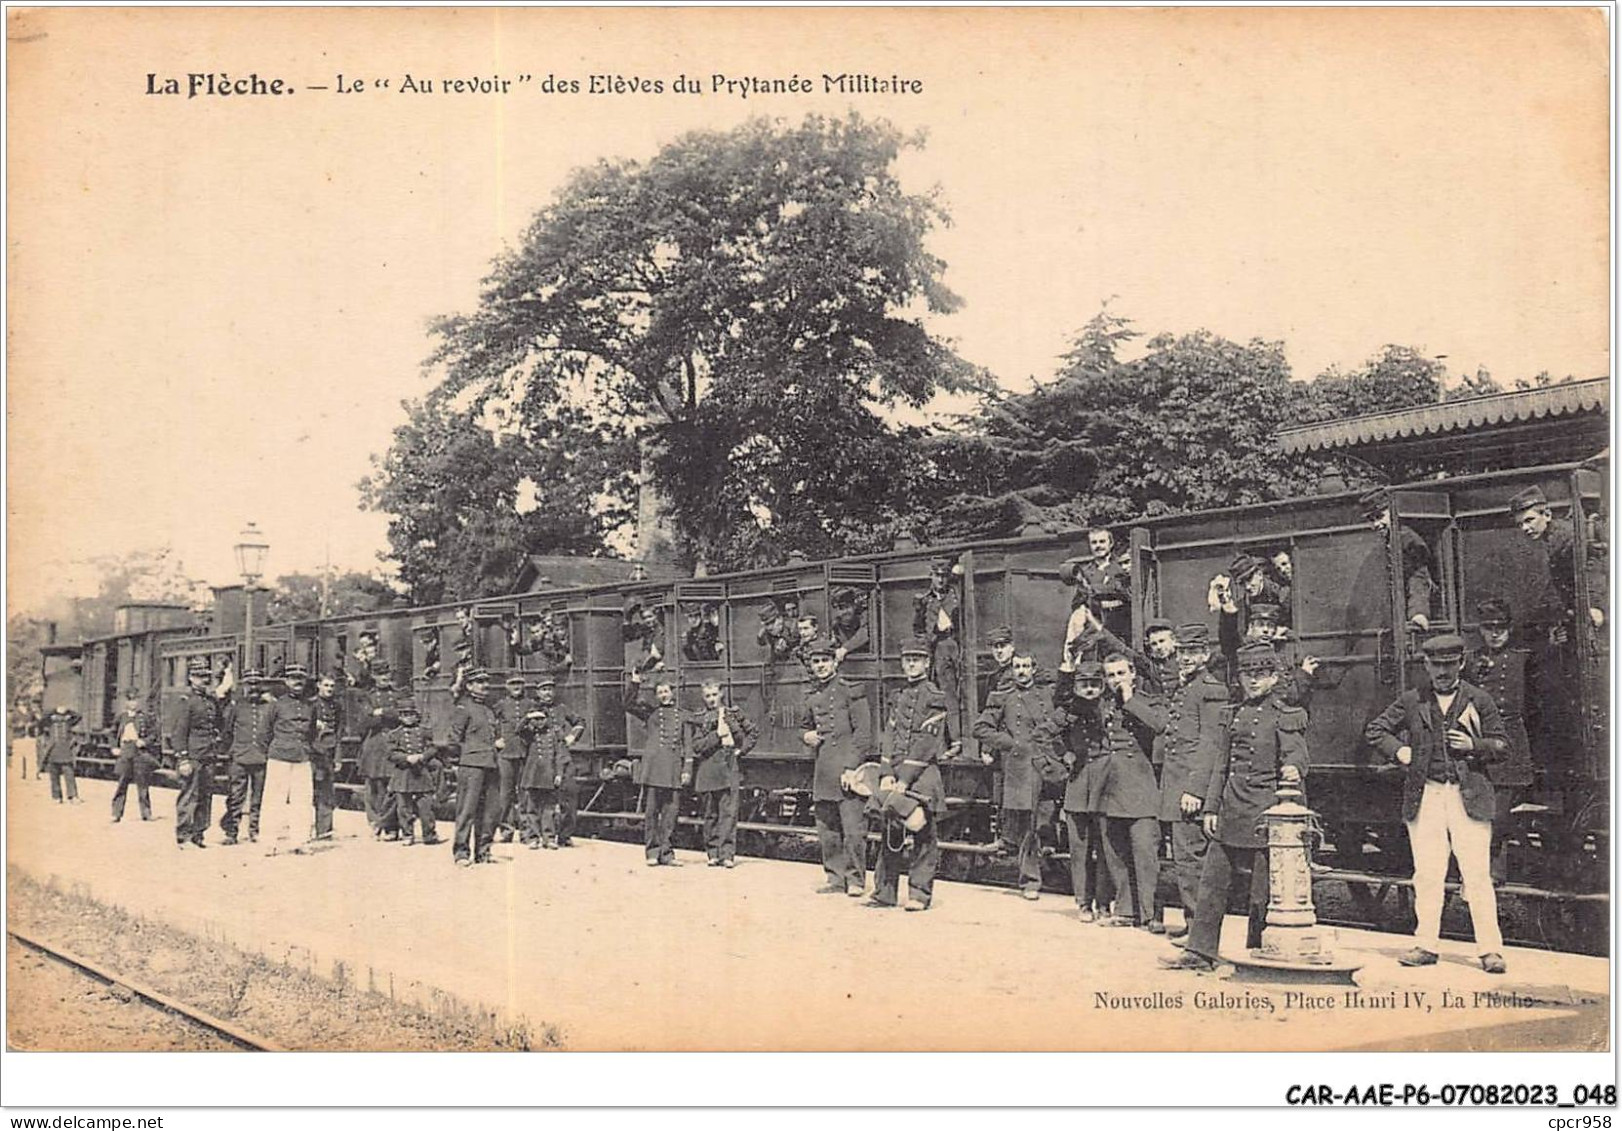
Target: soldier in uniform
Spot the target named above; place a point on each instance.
(721, 734)
(1130, 797)
(1001, 673)
(571, 727)
(1014, 730)
(471, 743)
(136, 733)
(702, 641)
(1193, 716)
(806, 637)
(1156, 661)
(848, 622)
(1531, 512)
(1502, 672)
(776, 638)
(934, 617)
(195, 740)
(547, 764)
(910, 748)
(245, 775)
(1418, 573)
(664, 769)
(1080, 720)
(510, 757)
(1259, 745)
(59, 746)
(329, 725)
(286, 731)
(373, 716)
(838, 728)
(1446, 735)
(1297, 674)
(415, 759)
(1103, 587)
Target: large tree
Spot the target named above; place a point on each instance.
(739, 310)
(308, 596)
(471, 495)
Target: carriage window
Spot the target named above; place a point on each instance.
(849, 620)
(701, 633)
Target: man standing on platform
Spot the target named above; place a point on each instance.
(910, 750)
(136, 733)
(286, 731)
(376, 770)
(58, 747)
(1259, 745)
(1446, 735)
(721, 735)
(245, 774)
(1086, 759)
(1501, 671)
(838, 727)
(1131, 796)
(1193, 718)
(471, 743)
(571, 727)
(664, 769)
(510, 754)
(195, 740)
(1014, 729)
(329, 726)
(935, 617)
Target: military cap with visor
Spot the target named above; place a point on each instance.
(1002, 634)
(1258, 658)
(1527, 499)
(1193, 637)
(1493, 613)
(915, 646)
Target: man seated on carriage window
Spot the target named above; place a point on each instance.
(849, 622)
(1418, 570)
(1530, 510)
(1278, 568)
(643, 622)
(702, 641)
(807, 629)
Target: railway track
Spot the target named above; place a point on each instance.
(146, 994)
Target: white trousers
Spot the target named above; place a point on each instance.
(1441, 828)
(289, 812)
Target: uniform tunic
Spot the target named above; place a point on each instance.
(547, 756)
(669, 750)
(1104, 588)
(1503, 675)
(1017, 725)
(472, 734)
(913, 741)
(374, 729)
(1081, 728)
(287, 727)
(1130, 790)
(404, 777)
(58, 743)
(1559, 544)
(838, 711)
(1253, 742)
(197, 731)
(716, 766)
(240, 724)
(1193, 715)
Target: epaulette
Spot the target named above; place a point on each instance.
(857, 691)
(1292, 719)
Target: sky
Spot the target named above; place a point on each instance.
(216, 305)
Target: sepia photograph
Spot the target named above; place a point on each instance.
(810, 530)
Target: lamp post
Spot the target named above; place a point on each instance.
(251, 550)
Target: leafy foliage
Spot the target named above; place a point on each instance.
(298, 596)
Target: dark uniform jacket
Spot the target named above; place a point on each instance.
(1295, 685)
(542, 738)
(839, 712)
(1193, 715)
(197, 734)
(1559, 543)
(145, 726)
(717, 765)
(1503, 675)
(1414, 720)
(510, 714)
(1160, 676)
(1105, 589)
(1130, 790)
(1017, 727)
(240, 724)
(669, 752)
(926, 609)
(1086, 757)
(374, 729)
(58, 744)
(287, 727)
(329, 720)
(914, 738)
(1418, 583)
(404, 741)
(1255, 740)
(471, 739)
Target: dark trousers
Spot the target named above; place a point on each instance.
(478, 804)
(1506, 797)
(568, 808)
(63, 773)
(659, 821)
(540, 816)
(925, 851)
(1188, 847)
(1019, 830)
(194, 805)
(1132, 850)
(514, 801)
(842, 836)
(133, 766)
(1089, 877)
(410, 809)
(380, 806)
(1226, 871)
(721, 823)
(326, 796)
(944, 670)
(244, 793)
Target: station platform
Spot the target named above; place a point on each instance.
(620, 956)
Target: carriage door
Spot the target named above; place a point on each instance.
(1591, 560)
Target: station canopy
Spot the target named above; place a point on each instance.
(1553, 424)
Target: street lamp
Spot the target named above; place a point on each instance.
(251, 550)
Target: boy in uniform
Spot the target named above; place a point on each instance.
(245, 774)
(195, 739)
(722, 735)
(665, 767)
(58, 747)
(510, 711)
(415, 763)
(838, 728)
(546, 765)
(910, 749)
(472, 743)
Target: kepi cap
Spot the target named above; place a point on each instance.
(1257, 658)
(1002, 634)
(1493, 612)
(915, 646)
(1527, 498)
(1194, 635)
(1265, 611)
(1158, 624)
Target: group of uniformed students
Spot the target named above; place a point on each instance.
(1179, 739)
